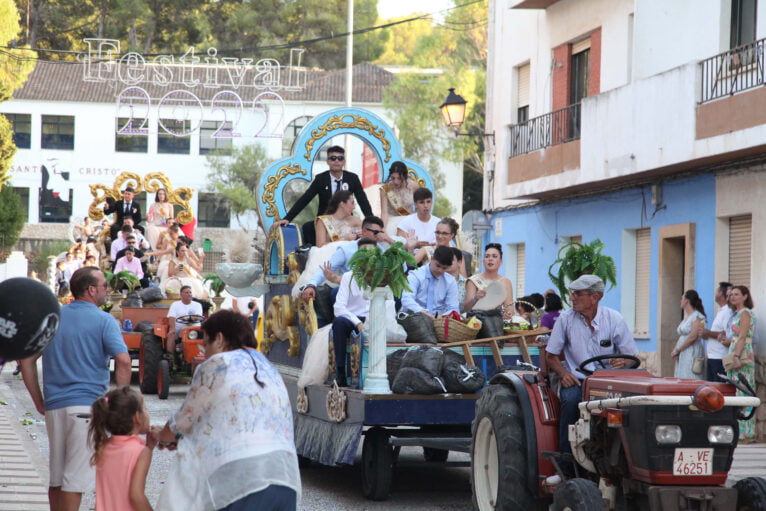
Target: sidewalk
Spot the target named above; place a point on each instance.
(21, 487)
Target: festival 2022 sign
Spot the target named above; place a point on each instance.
(242, 83)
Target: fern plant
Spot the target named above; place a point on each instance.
(372, 267)
(216, 283)
(577, 259)
(121, 280)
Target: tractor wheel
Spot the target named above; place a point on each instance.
(435, 455)
(149, 362)
(377, 464)
(578, 495)
(751, 494)
(499, 468)
(163, 379)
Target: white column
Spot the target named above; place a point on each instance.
(376, 381)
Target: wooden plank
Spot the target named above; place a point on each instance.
(468, 355)
(496, 353)
(524, 350)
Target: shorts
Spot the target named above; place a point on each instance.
(70, 454)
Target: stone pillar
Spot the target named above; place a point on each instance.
(376, 381)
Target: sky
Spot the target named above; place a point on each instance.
(396, 8)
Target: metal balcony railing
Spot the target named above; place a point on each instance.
(732, 71)
(550, 129)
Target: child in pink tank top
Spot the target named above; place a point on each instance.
(121, 457)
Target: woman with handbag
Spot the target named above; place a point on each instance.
(689, 352)
(740, 359)
(234, 431)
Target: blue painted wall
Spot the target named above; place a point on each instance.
(605, 217)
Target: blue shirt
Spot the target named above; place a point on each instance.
(76, 362)
(443, 294)
(572, 334)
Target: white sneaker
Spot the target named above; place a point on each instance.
(553, 480)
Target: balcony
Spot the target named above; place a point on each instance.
(550, 129)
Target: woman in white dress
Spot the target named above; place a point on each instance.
(184, 271)
(157, 217)
(396, 197)
(689, 344)
(165, 250)
(338, 223)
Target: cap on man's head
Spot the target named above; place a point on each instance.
(590, 283)
(129, 189)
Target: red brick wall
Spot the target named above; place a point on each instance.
(561, 56)
(594, 64)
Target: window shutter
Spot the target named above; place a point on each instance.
(740, 246)
(643, 275)
(580, 46)
(522, 92)
(521, 269)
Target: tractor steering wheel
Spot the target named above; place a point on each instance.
(601, 358)
(190, 319)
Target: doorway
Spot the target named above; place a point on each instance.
(676, 275)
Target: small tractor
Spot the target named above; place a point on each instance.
(155, 364)
(641, 443)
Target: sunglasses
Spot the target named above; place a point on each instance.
(374, 232)
(336, 158)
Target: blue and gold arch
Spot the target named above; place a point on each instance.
(340, 121)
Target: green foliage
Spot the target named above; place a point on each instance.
(216, 283)
(371, 267)
(577, 259)
(235, 177)
(121, 280)
(11, 217)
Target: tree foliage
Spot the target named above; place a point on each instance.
(234, 27)
(11, 216)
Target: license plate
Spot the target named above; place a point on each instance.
(693, 462)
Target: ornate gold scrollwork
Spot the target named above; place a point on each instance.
(302, 401)
(292, 267)
(150, 183)
(336, 403)
(356, 357)
(307, 316)
(272, 184)
(331, 357)
(414, 176)
(274, 237)
(338, 122)
(280, 325)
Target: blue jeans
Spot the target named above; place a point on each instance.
(342, 328)
(273, 498)
(570, 397)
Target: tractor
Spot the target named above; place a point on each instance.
(155, 364)
(641, 443)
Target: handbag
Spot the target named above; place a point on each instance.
(491, 322)
(183, 489)
(728, 361)
(698, 365)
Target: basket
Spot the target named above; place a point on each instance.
(451, 330)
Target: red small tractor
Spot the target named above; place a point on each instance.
(155, 364)
(641, 443)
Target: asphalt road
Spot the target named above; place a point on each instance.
(416, 485)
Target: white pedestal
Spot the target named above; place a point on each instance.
(376, 381)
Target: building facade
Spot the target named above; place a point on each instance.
(641, 123)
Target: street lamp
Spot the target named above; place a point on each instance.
(453, 111)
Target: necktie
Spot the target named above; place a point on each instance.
(127, 208)
(430, 305)
(337, 185)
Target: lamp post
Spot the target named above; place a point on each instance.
(453, 111)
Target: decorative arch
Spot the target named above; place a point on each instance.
(339, 121)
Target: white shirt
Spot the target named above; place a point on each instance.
(179, 309)
(350, 302)
(424, 231)
(713, 348)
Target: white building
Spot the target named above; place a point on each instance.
(70, 126)
(641, 123)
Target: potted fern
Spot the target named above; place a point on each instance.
(372, 267)
(576, 259)
(117, 282)
(216, 285)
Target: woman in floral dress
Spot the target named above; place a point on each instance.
(741, 346)
(689, 345)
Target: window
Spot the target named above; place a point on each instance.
(643, 275)
(213, 210)
(171, 144)
(53, 209)
(126, 140)
(740, 247)
(522, 95)
(23, 194)
(743, 22)
(21, 124)
(516, 266)
(291, 133)
(209, 143)
(58, 132)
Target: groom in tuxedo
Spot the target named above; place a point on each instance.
(325, 184)
(125, 208)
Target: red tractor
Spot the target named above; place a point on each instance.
(155, 363)
(641, 443)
